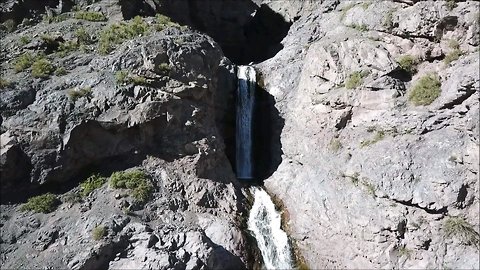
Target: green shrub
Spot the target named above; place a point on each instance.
(460, 228)
(162, 22)
(408, 63)
(42, 68)
(83, 37)
(118, 33)
(93, 182)
(67, 47)
(136, 181)
(73, 197)
(426, 90)
(378, 137)
(451, 4)
(23, 62)
(404, 252)
(359, 27)
(4, 83)
(55, 18)
(388, 20)
(45, 203)
(163, 68)
(75, 94)
(60, 71)
(454, 44)
(335, 145)
(121, 76)
(98, 232)
(355, 79)
(90, 16)
(452, 56)
(25, 40)
(138, 80)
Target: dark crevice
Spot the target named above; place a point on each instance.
(459, 100)
(268, 126)
(245, 32)
(409, 203)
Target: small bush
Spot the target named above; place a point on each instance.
(93, 182)
(25, 40)
(408, 63)
(335, 145)
(138, 80)
(55, 18)
(460, 228)
(75, 94)
(83, 37)
(42, 68)
(134, 180)
(426, 90)
(121, 76)
(388, 20)
(60, 71)
(355, 79)
(23, 62)
(73, 198)
(4, 83)
(45, 203)
(359, 27)
(98, 232)
(451, 4)
(163, 68)
(90, 16)
(67, 47)
(404, 252)
(378, 137)
(118, 33)
(452, 56)
(162, 22)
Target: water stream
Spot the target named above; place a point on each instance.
(244, 122)
(265, 224)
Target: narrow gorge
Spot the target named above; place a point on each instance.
(239, 134)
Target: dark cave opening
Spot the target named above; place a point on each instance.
(245, 32)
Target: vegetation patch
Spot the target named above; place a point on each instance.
(91, 183)
(42, 68)
(45, 203)
(408, 63)
(99, 232)
(379, 135)
(118, 33)
(426, 90)
(162, 22)
(60, 71)
(75, 94)
(335, 145)
(460, 228)
(23, 61)
(83, 38)
(9, 25)
(123, 77)
(451, 4)
(388, 20)
(4, 83)
(359, 27)
(355, 79)
(135, 180)
(56, 18)
(67, 47)
(90, 16)
(25, 40)
(404, 252)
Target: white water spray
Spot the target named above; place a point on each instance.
(265, 223)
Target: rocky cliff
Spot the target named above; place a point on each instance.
(368, 132)
(372, 176)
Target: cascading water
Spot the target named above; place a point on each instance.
(244, 124)
(265, 223)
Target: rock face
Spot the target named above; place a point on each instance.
(372, 173)
(148, 105)
(370, 180)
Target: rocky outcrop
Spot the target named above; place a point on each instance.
(370, 180)
(148, 105)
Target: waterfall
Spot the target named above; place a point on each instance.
(265, 223)
(245, 105)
